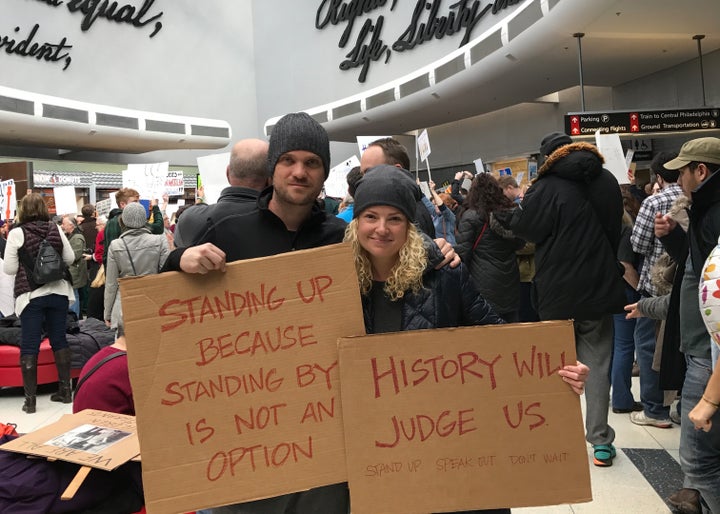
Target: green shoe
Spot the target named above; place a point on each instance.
(603, 455)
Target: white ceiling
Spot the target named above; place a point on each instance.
(624, 40)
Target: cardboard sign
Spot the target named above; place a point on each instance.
(467, 418)
(235, 377)
(8, 199)
(98, 439)
(336, 183)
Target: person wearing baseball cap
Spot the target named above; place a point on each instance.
(697, 160)
(697, 163)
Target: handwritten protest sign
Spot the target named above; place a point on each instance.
(175, 183)
(423, 144)
(98, 439)
(146, 179)
(457, 419)
(103, 207)
(235, 377)
(8, 199)
(336, 183)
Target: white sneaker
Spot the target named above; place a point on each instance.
(639, 418)
(674, 417)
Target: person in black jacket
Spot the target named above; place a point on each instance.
(488, 249)
(398, 292)
(573, 214)
(247, 174)
(389, 151)
(698, 164)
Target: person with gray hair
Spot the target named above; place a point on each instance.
(247, 173)
(136, 252)
(78, 269)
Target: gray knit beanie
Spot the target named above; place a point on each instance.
(386, 185)
(298, 131)
(133, 215)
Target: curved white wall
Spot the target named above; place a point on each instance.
(200, 64)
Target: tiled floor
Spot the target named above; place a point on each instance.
(620, 489)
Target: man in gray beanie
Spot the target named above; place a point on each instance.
(133, 216)
(299, 131)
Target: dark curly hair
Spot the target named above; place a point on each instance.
(486, 196)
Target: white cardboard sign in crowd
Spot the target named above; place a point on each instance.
(65, 201)
(336, 183)
(8, 199)
(147, 179)
(213, 174)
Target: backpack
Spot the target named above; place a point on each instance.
(48, 266)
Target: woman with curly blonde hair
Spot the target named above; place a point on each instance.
(398, 290)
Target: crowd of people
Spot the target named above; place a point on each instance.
(623, 265)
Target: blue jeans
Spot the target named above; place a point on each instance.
(623, 356)
(75, 307)
(52, 309)
(699, 450)
(651, 396)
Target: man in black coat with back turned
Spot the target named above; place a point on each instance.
(573, 213)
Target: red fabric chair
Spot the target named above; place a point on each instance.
(10, 375)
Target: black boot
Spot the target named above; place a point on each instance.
(62, 363)
(28, 367)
